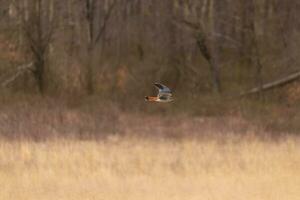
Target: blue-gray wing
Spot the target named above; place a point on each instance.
(163, 90)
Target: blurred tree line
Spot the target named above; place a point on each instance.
(99, 46)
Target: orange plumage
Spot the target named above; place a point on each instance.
(148, 98)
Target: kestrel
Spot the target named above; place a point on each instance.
(164, 94)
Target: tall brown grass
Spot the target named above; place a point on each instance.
(131, 167)
(83, 149)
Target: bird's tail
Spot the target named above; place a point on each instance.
(148, 98)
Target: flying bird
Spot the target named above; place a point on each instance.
(164, 94)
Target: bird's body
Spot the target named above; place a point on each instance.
(164, 94)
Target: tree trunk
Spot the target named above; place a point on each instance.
(89, 74)
(39, 75)
(216, 46)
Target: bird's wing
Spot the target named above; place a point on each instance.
(163, 90)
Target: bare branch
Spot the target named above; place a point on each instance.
(21, 70)
(226, 37)
(106, 18)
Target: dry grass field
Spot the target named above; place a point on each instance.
(49, 150)
(132, 167)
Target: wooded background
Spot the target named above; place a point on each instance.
(118, 48)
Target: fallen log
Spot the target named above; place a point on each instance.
(281, 82)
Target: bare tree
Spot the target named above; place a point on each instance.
(253, 48)
(95, 33)
(37, 25)
(202, 43)
(218, 13)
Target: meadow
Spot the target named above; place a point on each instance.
(134, 167)
(51, 150)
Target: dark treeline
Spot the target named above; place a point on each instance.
(99, 46)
